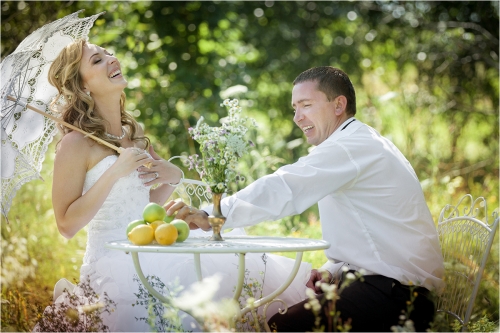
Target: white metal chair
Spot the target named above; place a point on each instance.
(193, 192)
(466, 237)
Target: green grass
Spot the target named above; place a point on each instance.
(34, 255)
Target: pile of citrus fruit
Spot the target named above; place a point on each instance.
(157, 226)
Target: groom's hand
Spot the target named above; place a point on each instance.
(195, 218)
(318, 276)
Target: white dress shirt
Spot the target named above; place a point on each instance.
(371, 206)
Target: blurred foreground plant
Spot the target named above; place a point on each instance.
(253, 289)
(331, 295)
(198, 300)
(157, 320)
(17, 311)
(213, 316)
(80, 311)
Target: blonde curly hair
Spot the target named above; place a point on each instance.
(77, 108)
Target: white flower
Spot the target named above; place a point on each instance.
(221, 147)
(199, 293)
(310, 293)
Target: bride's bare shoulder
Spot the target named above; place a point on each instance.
(71, 141)
(75, 145)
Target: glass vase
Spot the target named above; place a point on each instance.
(216, 219)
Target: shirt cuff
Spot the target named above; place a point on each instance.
(333, 267)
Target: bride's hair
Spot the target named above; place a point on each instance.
(77, 108)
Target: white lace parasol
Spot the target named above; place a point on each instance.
(25, 135)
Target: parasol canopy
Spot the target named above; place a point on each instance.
(25, 134)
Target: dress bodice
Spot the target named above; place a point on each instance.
(124, 204)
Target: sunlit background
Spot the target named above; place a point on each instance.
(426, 76)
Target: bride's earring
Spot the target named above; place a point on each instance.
(88, 93)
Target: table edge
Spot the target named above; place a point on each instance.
(317, 244)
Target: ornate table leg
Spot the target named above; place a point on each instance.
(239, 285)
(241, 277)
(197, 266)
(149, 287)
(270, 298)
(145, 282)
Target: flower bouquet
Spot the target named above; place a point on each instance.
(221, 148)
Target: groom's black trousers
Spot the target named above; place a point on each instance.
(372, 305)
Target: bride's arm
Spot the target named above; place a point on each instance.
(72, 210)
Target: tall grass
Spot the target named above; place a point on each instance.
(34, 255)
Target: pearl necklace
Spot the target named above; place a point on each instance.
(114, 137)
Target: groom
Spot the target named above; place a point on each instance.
(371, 205)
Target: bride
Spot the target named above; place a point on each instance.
(95, 188)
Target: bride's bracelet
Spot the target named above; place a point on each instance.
(180, 180)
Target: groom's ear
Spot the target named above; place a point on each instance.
(339, 105)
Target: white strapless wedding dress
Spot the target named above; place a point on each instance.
(112, 271)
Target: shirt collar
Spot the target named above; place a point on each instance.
(339, 133)
(349, 126)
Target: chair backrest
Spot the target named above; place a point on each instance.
(193, 192)
(466, 238)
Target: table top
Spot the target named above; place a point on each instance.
(231, 244)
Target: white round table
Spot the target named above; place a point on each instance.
(231, 244)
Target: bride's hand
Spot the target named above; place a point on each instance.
(129, 160)
(160, 172)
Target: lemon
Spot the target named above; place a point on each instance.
(156, 224)
(166, 234)
(143, 234)
(134, 224)
(153, 212)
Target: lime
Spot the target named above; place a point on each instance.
(182, 229)
(168, 218)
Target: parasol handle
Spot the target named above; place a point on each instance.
(60, 121)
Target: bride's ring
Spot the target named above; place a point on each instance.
(156, 175)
